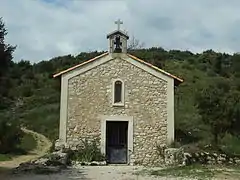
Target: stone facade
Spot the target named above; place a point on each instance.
(90, 97)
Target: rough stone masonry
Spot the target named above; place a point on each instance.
(90, 96)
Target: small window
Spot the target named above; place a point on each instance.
(118, 92)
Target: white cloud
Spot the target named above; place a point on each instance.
(44, 29)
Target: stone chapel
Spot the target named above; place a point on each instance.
(120, 100)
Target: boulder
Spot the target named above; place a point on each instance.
(174, 156)
(59, 146)
(51, 163)
(29, 167)
(58, 158)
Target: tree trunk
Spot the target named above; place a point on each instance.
(215, 138)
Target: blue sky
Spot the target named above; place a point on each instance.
(43, 29)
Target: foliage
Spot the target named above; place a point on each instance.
(24, 145)
(10, 132)
(207, 103)
(229, 144)
(213, 109)
(218, 107)
(6, 50)
(28, 142)
(5, 157)
(134, 44)
(10, 137)
(88, 152)
(161, 150)
(194, 171)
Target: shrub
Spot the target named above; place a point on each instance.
(87, 153)
(52, 147)
(230, 145)
(10, 137)
(175, 144)
(160, 150)
(5, 157)
(28, 142)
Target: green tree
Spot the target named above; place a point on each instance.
(213, 107)
(10, 132)
(10, 137)
(6, 50)
(233, 100)
(218, 64)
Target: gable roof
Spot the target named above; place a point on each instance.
(156, 68)
(177, 79)
(79, 65)
(117, 32)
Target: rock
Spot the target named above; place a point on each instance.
(94, 163)
(42, 161)
(209, 158)
(103, 163)
(59, 158)
(51, 163)
(186, 159)
(237, 161)
(173, 156)
(76, 164)
(221, 159)
(231, 161)
(187, 155)
(36, 168)
(215, 155)
(207, 153)
(59, 146)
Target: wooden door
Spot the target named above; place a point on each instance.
(116, 141)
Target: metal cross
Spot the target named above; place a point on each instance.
(118, 22)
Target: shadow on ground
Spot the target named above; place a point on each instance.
(6, 174)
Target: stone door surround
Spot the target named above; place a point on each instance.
(129, 119)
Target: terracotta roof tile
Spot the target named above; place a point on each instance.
(81, 64)
(131, 56)
(156, 68)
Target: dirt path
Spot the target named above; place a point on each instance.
(43, 145)
(107, 173)
(118, 173)
(96, 173)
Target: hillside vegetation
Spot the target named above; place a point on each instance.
(207, 103)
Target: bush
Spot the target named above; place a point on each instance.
(87, 153)
(28, 142)
(10, 137)
(52, 148)
(230, 145)
(5, 157)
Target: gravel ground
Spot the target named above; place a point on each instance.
(93, 173)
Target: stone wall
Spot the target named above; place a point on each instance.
(210, 158)
(177, 156)
(90, 96)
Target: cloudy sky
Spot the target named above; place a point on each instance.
(42, 29)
